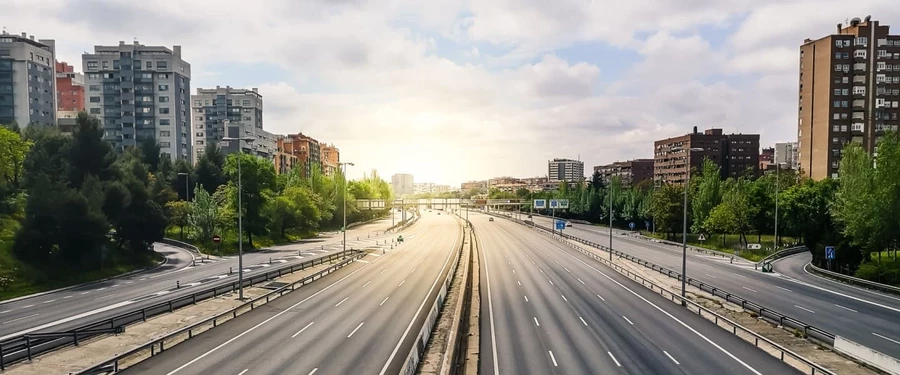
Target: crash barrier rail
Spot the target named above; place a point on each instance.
(735, 328)
(28, 346)
(809, 331)
(780, 254)
(181, 244)
(157, 346)
(411, 363)
(852, 280)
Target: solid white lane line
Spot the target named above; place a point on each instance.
(748, 289)
(25, 307)
(367, 283)
(101, 289)
(5, 311)
(362, 261)
(683, 324)
(552, 358)
(601, 298)
(313, 371)
(50, 301)
(83, 293)
(302, 329)
(783, 288)
(846, 308)
(536, 322)
(67, 297)
(242, 372)
(526, 297)
(845, 295)
(582, 320)
(803, 308)
(355, 329)
(564, 297)
(517, 282)
(17, 319)
(627, 320)
(385, 300)
(670, 357)
(887, 338)
(401, 283)
(342, 301)
(579, 280)
(614, 359)
(487, 278)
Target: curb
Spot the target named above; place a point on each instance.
(129, 273)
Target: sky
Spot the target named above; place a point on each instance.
(452, 91)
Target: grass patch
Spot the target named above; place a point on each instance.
(19, 279)
(731, 243)
(881, 268)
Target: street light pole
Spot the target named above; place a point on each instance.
(187, 188)
(777, 180)
(240, 215)
(687, 183)
(345, 204)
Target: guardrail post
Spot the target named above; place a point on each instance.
(230, 270)
(177, 284)
(2, 362)
(270, 260)
(28, 345)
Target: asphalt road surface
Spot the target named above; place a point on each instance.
(866, 317)
(66, 309)
(362, 319)
(548, 309)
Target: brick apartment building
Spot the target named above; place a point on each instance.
(631, 172)
(736, 154)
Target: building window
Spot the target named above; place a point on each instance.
(859, 90)
(857, 127)
(837, 104)
(837, 91)
(197, 103)
(882, 54)
(95, 99)
(163, 99)
(162, 65)
(163, 111)
(837, 67)
(165, 144)
(163, 87)
(145, 110)
(162, 75)
(165, 133)
(93, 65)
(844, 128)
(246, 102)
(862, 41)
(105, 65)
(845, 104)
(165, 122)
(95, 111)
(860, 53)
(881, 65)
(94, 88)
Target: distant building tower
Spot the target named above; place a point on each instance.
(565, 170)
(402, 184)
(230, 112)
(27, 80)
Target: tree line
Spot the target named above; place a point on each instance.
(76, 205)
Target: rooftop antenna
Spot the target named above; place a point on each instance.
(4, 30)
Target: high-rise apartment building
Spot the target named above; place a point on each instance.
(331, 158)
(233, 113)
(849, 92)
(631, 172)
(27, 80)
(736, 155)
(69, 88)
(565, 170)
(140, 92)
(786, 153)
(402, 184)
(297, 151)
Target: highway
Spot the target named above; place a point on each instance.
(547, 309)
(66, 309)
(362, 319)
(869, 318)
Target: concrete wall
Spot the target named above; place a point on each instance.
(868, 356)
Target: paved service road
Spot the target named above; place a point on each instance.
(66, 309)
(548, 309)
(865, 317)
(362, 319)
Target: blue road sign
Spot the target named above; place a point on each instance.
(560, 224)
(554, 203)
(540, 203)
(829, 252)
(631, 225)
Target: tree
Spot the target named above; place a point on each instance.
(89, 153)
(204, 214)
(150, 153)
(736, 199)
(258, 181)
(666, 205)
(707, 194)
(721, 220)
(13, 149)
(210, 168)
(182, 170)
(179, 213)
(857, 206)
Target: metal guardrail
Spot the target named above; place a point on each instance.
(853, 280)
(30, 345)
(181, 244)
(808, 330)
(735, 328)
(157, 346)
(780, 254)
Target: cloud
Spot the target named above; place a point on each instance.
(452, 90)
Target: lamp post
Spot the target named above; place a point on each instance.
(187, 188)
(610, 220)
(240, 216)
(777, 181)
(345, 203)
(687, 183)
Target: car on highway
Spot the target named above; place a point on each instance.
(490, 219)
(568, 224)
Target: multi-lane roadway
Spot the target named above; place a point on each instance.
(547, 309)
(867, 317)
(362, 319)
(69, 308)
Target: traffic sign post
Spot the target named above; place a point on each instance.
(560, 225)
(540, 203)
(631, 225)
(829, 255)
(767, 267)
(216, 239)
